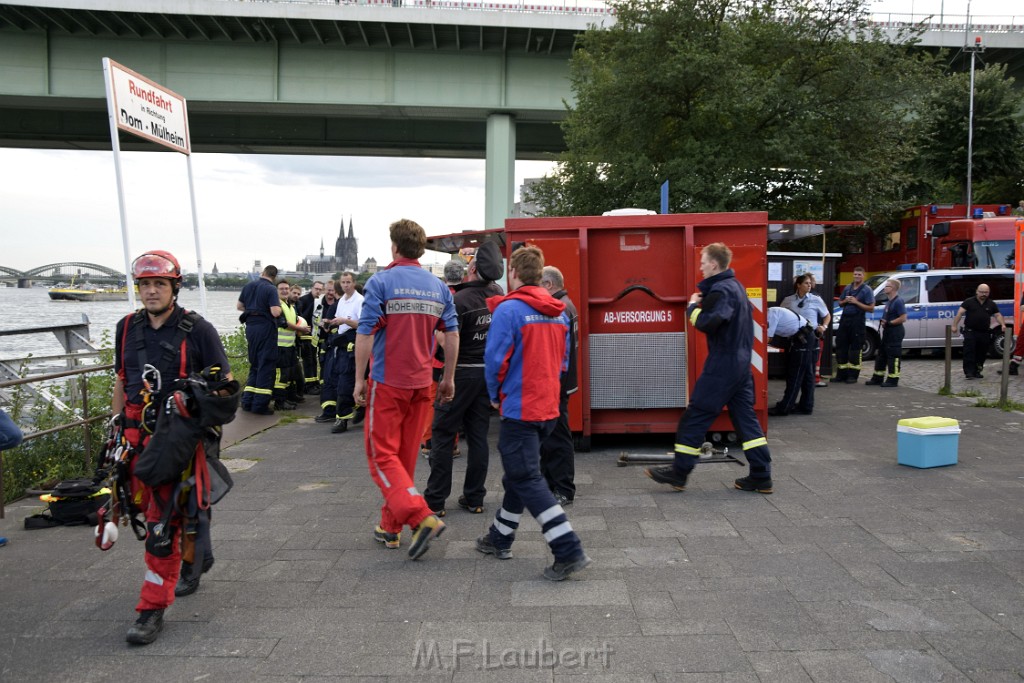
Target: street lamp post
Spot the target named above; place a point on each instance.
(974, 50)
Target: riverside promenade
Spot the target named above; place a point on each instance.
(856, 569)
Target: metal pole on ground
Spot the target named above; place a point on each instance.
(947, 385)
(1004, 374)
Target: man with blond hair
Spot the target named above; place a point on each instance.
(722, 311)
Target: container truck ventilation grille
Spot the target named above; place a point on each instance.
(638, 370)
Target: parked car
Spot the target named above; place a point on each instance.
(932, 298)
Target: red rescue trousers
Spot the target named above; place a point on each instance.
(394, 426)
(161, 572)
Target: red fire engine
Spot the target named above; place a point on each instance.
(939, 235)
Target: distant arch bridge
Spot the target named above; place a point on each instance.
(60, 269)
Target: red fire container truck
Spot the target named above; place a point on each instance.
(631, 277)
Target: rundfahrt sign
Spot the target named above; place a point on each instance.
(149, 110)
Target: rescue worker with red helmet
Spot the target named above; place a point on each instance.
(154, 346)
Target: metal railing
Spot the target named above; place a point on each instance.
(74, 339)
(84, 422)
(934, 21)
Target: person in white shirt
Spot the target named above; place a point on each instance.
(341, 346)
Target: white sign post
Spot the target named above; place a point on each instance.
(144, 108)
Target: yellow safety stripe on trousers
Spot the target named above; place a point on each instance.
(895, 368)
(693, 316)
(754, 443)
(687, 450)
(278, 383)
(256, 390)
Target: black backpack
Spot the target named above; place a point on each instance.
(72, 502)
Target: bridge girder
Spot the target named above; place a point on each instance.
(91, 267)
(12, 272)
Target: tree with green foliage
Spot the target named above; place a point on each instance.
(798, 108)
(997, 168)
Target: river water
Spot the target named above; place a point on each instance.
(32, 307)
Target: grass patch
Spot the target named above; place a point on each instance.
(1006, 406)
(287, 419)
(945, 391)
(968, 393)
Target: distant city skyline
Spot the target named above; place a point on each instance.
(58, 205)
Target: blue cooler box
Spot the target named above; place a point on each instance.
(927, 441)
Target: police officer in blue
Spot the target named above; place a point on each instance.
(722, 311)
(856, 300)
(261, 309)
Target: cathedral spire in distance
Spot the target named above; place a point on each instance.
(345, 250)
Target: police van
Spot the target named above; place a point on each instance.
(932, 298)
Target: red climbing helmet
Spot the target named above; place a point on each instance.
(156, 264)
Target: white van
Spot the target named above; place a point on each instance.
(932, 298)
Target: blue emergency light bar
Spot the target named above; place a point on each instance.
(914, 267)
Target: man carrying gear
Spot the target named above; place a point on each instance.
(154, 348)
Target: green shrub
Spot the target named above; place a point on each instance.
(41, 462)
(238, 353)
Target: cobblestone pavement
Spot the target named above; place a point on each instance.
(928, 373)
(856, 569)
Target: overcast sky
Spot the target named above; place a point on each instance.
(60, 206)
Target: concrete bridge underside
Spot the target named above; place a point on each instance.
(297, 79)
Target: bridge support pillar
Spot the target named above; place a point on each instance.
(24, 283)
(500, 169)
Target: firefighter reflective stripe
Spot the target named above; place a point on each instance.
(513, 517)
(687, 450)
(549, 514)
(257, 390)
(756, 360)
(556, 531)
(755, 443)
(693, 316)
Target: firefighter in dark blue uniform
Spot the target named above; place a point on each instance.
(890, 351)
(721, 310)
(260, 308)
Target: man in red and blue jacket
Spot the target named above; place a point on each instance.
(403, 306)
(527, 351)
